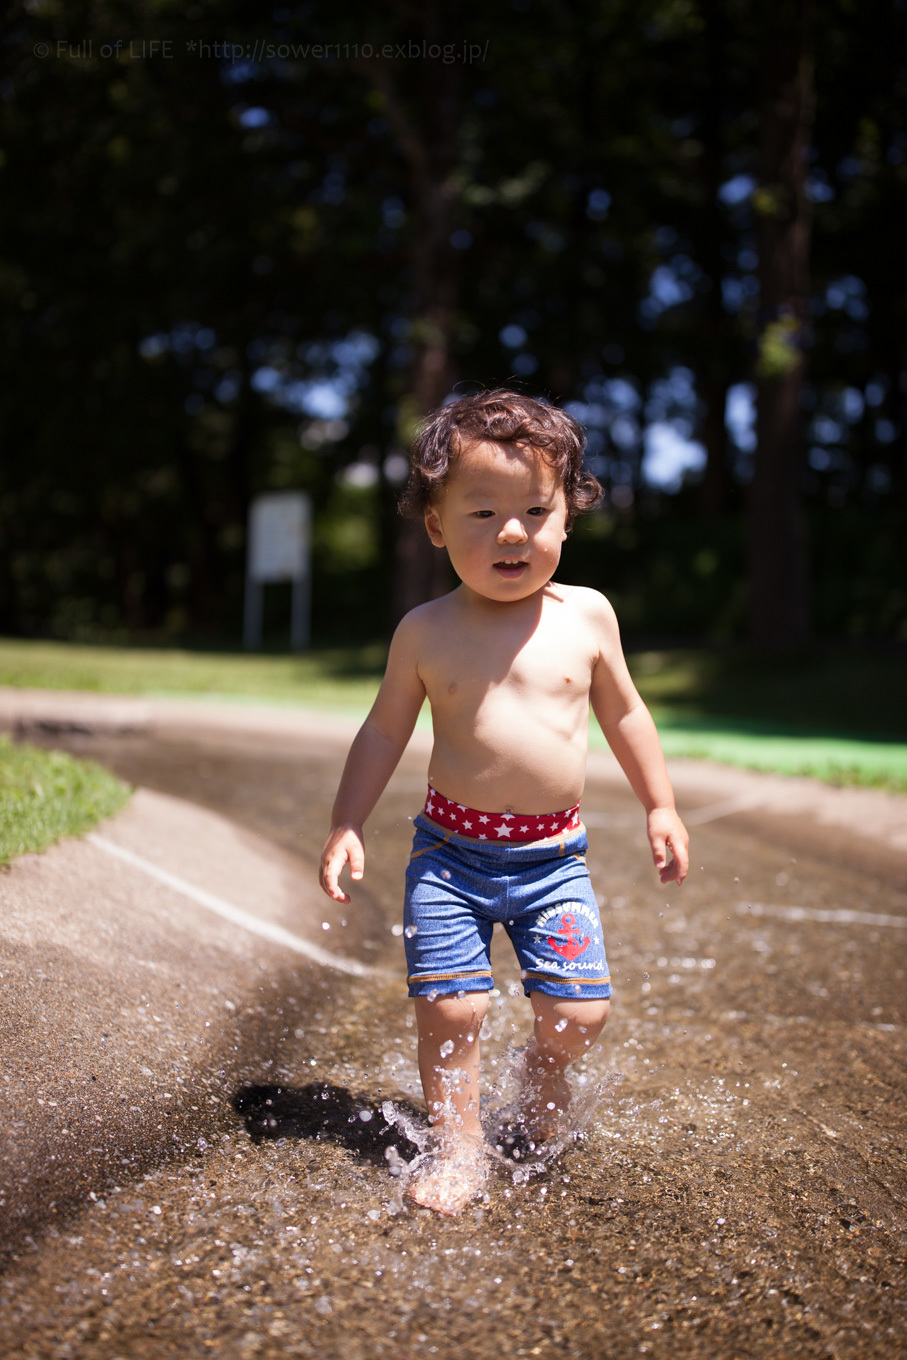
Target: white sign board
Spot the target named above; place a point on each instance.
(279, 536)
(280, 542)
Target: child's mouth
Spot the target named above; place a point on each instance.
(510, 567)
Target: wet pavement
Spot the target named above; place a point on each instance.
(734, 1184)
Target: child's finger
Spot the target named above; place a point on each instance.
(330, 872)
(681, 853)
(676, 869)
(659, 851)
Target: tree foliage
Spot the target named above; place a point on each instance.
(252, 259)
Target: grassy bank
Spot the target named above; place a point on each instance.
(339, 678)
(45, 795)
(836, 715)
(761, 746)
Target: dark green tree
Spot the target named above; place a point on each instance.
(249, 267)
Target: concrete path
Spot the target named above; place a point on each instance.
(867, 825)
(154, 966)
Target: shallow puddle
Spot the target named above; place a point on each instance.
(731, 1180)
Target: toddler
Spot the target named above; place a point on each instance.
(510, 661)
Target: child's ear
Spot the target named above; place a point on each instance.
(433, 527)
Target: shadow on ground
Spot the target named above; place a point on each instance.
(324, 1113)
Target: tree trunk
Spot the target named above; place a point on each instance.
(429, 144)
(777, 548)
(713, 490)
(422, 572)
(205, 593)
(717, 353)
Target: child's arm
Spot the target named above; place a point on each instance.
(630, 732)
(373, 757)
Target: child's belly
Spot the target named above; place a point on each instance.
(507, 757)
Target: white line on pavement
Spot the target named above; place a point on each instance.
(841, 916)
(726, 807)
(236, 915)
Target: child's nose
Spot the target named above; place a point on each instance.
(513, 531)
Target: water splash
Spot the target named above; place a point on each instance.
(511, 1143)
(509, 1147)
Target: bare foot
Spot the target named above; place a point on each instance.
(449, 1179)
(546, 1098)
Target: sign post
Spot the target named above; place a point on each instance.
(279, 549)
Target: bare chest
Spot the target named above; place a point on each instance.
(467, 673)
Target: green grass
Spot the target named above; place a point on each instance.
(337, 678)
(837, 715)
(761, 746)
(45, 795)
(830, 690)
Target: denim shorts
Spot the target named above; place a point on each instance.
(457, 888)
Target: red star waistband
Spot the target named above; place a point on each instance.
(498, 826)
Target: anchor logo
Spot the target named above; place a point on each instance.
(572, 947)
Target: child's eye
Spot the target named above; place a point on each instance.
(538, 510)
(483, 514)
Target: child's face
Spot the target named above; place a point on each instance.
(502, 517)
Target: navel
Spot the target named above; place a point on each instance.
(452, 687)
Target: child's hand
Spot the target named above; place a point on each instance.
(344, 843)
(667, 832)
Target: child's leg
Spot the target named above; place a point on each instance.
(449, 1053)
(563, 1030)
(449, 1067)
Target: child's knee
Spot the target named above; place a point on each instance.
(588, 1020)
(592, 1014)
(465, 1012)
(569, 1026)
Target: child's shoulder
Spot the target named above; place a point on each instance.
(429, 614)
(423, 622)
(591, 604)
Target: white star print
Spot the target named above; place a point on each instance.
(511, 824)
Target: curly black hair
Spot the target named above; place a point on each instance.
(501, 417)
